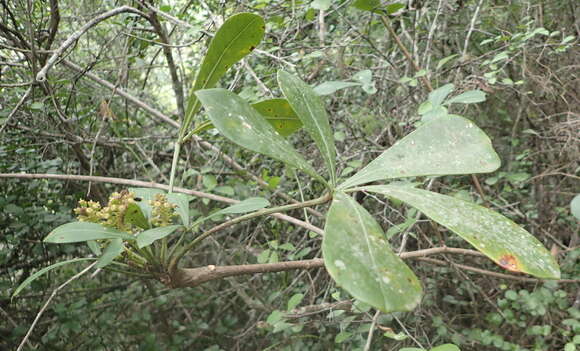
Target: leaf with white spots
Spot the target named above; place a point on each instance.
(243, 125)
(310, 109)
(496, 236)
(449, 145)
(360, 260)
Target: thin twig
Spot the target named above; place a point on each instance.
(13, 112)
(52, 296)
(41, 76)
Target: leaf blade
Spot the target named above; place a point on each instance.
(75, 232)
(235, 39)
(36, 275)
(280, 115)
(447, 145)
(243, 125)
(112, 251)
(148, 237)
(496, 236)
(312, 113)
(360, 260)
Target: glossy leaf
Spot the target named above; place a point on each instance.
(243, 125)
(236, 38)
(148, 237)
(112, 251)
(496, 236)
(331, 87)
(75, 232)
(280, 115)
(469, 97)
(360, 260)
(310, 109)
(36, 275)
(449, 145)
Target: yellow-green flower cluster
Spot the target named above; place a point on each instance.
(113, 215)
(163, 212)
(88, 211)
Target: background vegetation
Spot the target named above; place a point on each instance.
(523, 54)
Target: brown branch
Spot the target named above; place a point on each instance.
(191, 277)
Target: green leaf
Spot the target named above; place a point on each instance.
(444, 60)
(368, 5)
(245, 206)
(280, 115)
(236, 38)
(311, 112)
(331, 87)
(95, 248)
(411, 349)
(469, 97)
(146, 195)
(392, 8)
(359, 259)
(496, 236)
(135, 216)
(437, 96)
(75, 232)
(243, 125)
(182, 203)
(575, 206)
(446, 347)
(294, 301)
(148, 237)
(450, 145)
(320, 4)
(36, 275)
(113, 250)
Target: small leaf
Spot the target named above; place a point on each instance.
(575, 206)
(368, 5)
(331, 87)
(310, 109)
(446, 347)
(496, 236)
(359, 259)
(243, 125)
(444, 60)
(469, 97)
(134, 215)
(113, 250)
(146, 195)
(236, 38)
(36, 275)
(437, 96)
(320, 4)
(395, 7)
(75, 232)
(248, 205)
(148, 237)
(450, 145)
(280, 115)
(182, 203)
(294, 301)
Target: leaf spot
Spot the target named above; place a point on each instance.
(509, 262)
(340, 265)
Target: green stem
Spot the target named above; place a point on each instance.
(180, 253)
(176, 151)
